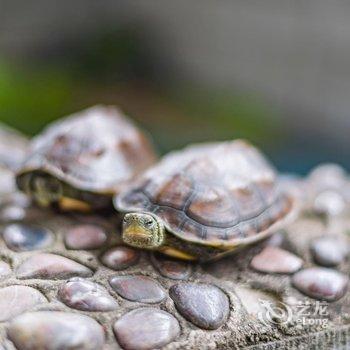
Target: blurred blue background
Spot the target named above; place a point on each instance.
(276, 73)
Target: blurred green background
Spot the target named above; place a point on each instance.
(179, 92)
(114, 70)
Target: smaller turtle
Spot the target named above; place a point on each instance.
(80, 162)
(204, 202)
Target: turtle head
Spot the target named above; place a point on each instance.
(143, 230)
(45, 189)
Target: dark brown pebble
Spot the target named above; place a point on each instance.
(85, 237)
(321, 283)
(171, 268)
(53, 330)
(276, 260)
(22, 238)
(146, 329)
(85, 295)
(138, 288)
(329, 251)
(120, 258)
(51, 266)
(204, 305)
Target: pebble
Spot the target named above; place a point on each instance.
(19, 199)
(13, 146)
(328, 175)
(138, 288)
(171, 268)
(51, 266)
(5, 269)
(85, 295)
(276, 260)
(85, 237)
(7, 183)
(204, 305)
(321, 283)
(22, 238)
(120, 258)
(329, 251)
(14, 207)
(329, 203)
(54, 330)
(146, 329)
(327, 186)
(12, 213)
(15, 300)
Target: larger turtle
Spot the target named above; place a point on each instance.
(204, 202)
(80, 162)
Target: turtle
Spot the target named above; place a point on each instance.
(80, 162)
(204, 202)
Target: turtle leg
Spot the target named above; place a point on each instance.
(71, 204)
(180, 249)
(176, 253)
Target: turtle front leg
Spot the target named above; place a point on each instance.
(176, 253)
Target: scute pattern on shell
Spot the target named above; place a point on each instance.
(98, 149)
(218, 193)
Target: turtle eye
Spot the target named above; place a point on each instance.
(125, 220)
(149, 222)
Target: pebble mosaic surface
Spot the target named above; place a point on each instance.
(67, 282)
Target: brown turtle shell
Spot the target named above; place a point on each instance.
(97, 150)
(219, 194)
